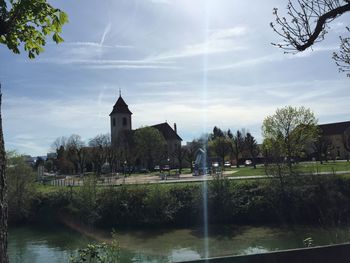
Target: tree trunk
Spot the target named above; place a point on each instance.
(3, 197)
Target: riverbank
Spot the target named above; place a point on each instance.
(314, 200)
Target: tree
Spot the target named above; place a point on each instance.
(342, 58)
(217, 132)
(322, 146)
(221, 147)
(111, 153)
(77, 147)
(238, 145)
(150, 145)
(252, 147)
(346, 142)
(58, 143)
(66, 160)
(191, 151)
(179, 154)
(290, 130)
(28, 22)
(20, 186)
(98, 152)
(308, 23)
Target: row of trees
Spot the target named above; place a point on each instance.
(325, 149)
(225, 144)
(289, 134)
(73, 154)
(145, 148)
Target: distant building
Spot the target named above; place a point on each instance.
(29, 160)
(336, 133)
(51, 155)
(121, 126)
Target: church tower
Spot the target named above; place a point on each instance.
(120, 119)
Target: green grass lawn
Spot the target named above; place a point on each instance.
(45, 188)
(247, 171)
(309, 167)
(316, 167)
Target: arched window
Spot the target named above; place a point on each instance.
(113, 120)
(125, 121)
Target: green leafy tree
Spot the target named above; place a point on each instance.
(20, 186)
(217, 132)
(179, 154)
(251, 147)
(289, 130)
(78, 150)
(150, 145)
(221, 146)
(86, 200)
(29, 22)
(98, 147)
(191, 151)
(26, 22)
(238, 145)
(322, 146)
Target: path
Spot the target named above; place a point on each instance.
(184, 178)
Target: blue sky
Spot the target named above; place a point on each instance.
(198, 63)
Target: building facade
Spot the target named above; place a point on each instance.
(121, 127)
(338, 134)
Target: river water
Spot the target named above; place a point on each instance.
(56, 243)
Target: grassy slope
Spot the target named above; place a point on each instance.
(311, 167)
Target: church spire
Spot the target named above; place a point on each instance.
(120, 92)
(120, 106)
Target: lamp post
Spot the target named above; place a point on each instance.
(168, 166)
(125, 165)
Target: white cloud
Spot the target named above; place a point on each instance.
(160, 1)
(93, 44)
(233, 107)
(219, 41)
(105, 32)
(161, 47)
(112, 63)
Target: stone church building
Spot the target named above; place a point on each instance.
(121, 125)
(338, 135)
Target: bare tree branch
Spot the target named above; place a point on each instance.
(308, 23)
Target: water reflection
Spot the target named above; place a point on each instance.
(55, 244)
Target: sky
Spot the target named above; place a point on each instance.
(196, 63)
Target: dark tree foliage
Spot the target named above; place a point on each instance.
(307, 23)
(322, 146)
(28, 22)
(217, 132)
(238, 145)
(150, 146)
(191, 151)
(252, 147)
(221, 147)
(179, 154)
(346, 142)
